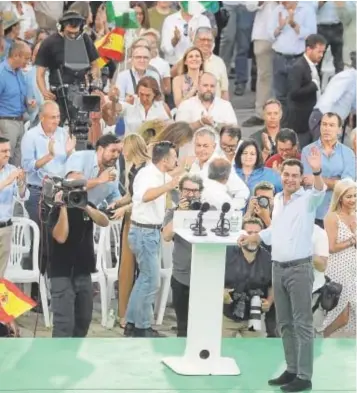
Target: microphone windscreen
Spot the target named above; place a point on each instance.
(226, 207)
(205, 207)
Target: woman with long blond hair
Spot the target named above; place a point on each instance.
(340, 225)
(136, 158)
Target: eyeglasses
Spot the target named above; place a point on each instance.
(142, 58)
(229, 147)
(190, 190)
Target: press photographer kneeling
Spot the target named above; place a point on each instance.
(248, 286)
(72, 261)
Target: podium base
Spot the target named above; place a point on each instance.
(185, 366)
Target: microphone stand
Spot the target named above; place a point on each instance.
(198, 229)
(223, 226)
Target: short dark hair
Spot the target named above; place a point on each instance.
(4, 140)
(219, 169)
(315, 39)
(106, 140)
(293, 162)
(287, 134)
(252, 220)
(264, 185)
(161, 150)
(233, 132)
(194, 179)
(242, 147)
(334, 114)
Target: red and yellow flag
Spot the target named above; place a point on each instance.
(111, 46)
(13, 302)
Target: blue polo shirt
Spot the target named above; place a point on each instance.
(13, 91)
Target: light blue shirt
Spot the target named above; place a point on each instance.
(34, 146)
(341, 163)
(87, 163)
(340, 94)
(125, 82)
(13, 91)
(292, 225)
(288, 41)
(33, 90)
(327, 14)
(8, 194)
(7, 46)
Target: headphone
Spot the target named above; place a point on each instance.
(69, 16)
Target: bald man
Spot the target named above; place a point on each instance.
(15, 98)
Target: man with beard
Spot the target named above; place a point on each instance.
(100, 169)
(206, 109)
(248, 274)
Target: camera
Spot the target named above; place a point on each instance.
(255, 312)
(239, 304)
(263, 202)
(74, 192)
(195, 204)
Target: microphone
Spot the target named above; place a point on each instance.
(223, 225)
(195, 206)
(197, 228)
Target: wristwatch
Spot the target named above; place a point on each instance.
(318, 173)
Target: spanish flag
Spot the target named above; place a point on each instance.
(13, 302)
(111, 47)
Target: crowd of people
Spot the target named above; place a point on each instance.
(165, 134)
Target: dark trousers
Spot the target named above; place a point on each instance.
(320, 223)
(334, 37)
(282, 65)
(72, 305)
(292, 286)
(180, 300)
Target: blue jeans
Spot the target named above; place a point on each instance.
(145, 245)
(237, 32)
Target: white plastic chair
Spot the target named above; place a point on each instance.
(99, 275)
(14, 271)
(165, 278)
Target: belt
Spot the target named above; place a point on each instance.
(34, 187)
(148, 226)
(14, 118)
(294, 263)
(5, 224)
(289, 56)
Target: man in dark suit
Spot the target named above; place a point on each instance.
(304, 88)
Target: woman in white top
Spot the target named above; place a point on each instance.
(340, 225)
(146, 105)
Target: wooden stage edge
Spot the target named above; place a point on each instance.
(134, 366)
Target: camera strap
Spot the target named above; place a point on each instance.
(133, 80)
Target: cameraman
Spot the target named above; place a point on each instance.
(51, 56)
(190, 188)
(248, 271)
(72, 263)
(262, 202)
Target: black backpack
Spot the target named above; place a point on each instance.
(329, 296)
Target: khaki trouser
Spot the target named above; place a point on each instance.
(264, 58)
(235, 329)
(5, 248)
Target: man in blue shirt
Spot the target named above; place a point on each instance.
(12, 185)
(14, 100)
(100, 168)
(290, 24)
(338, 161)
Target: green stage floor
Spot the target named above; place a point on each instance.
(134, 366)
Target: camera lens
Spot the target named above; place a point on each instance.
(263, 202)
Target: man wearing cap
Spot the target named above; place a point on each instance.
(11, 26)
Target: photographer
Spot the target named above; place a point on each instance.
(261, 203)
(190, 188)
(72, 262)
(51, 56)
(248, 273)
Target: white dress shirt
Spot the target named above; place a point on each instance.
(215, 193)
(134, 115)
(152, 213)
(314, 75)
(215, 65)
(262, 16)
(174, 54)
(192, 110)
(237, 189)
(162, 66)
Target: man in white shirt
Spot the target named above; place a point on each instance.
(264, 57)
(148, 213)
(215, 190)
(177, 34)
(205, 146)
(206, 109)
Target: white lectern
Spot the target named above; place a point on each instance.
(203, 346)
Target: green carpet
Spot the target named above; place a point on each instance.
(134, 366)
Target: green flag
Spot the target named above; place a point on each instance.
(199, 7)
(121, 15)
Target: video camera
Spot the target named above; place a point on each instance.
(74, 192)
